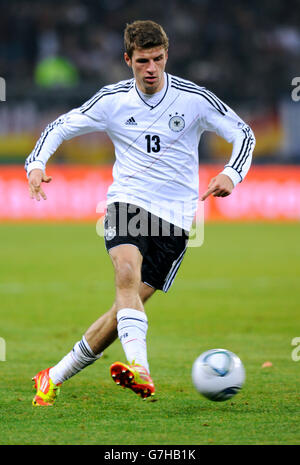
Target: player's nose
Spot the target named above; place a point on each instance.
(151, 67)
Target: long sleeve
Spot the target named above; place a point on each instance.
(67, 126)
(219, 118)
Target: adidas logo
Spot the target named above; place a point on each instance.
(131, 122)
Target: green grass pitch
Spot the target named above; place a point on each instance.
(239, 291)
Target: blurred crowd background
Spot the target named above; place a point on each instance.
(55, 54)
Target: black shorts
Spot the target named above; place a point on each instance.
(161, 244)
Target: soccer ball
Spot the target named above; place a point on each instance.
(218, 374)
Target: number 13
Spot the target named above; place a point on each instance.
(155, 147)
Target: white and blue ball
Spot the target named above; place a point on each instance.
(218, 374)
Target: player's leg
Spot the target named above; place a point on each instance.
(159, 268)
(132, 322)
(126, 240)
(160, 265)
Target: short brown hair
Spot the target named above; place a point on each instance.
(144, 34)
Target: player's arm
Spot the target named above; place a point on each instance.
(219, 118)
(72, 124)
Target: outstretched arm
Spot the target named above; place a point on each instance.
(75, 123)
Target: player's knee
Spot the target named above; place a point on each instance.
(127, 274)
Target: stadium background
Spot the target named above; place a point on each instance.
(240, 290)
(54, 55)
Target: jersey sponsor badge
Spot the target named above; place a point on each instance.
(176, 122)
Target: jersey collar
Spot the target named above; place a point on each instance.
(159, 102)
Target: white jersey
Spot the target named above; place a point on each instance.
(156, 143)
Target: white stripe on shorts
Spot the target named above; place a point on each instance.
(172, 273)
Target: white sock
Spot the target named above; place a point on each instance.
(80, 356)
(132, 330)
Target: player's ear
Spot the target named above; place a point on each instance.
(127, 60)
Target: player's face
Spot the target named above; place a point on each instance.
(148, 66)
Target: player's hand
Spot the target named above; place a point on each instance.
(35, 179)
(220, 186)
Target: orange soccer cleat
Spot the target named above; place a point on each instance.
(134, 377)
(46, 390)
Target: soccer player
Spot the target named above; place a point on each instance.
(155, 121)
